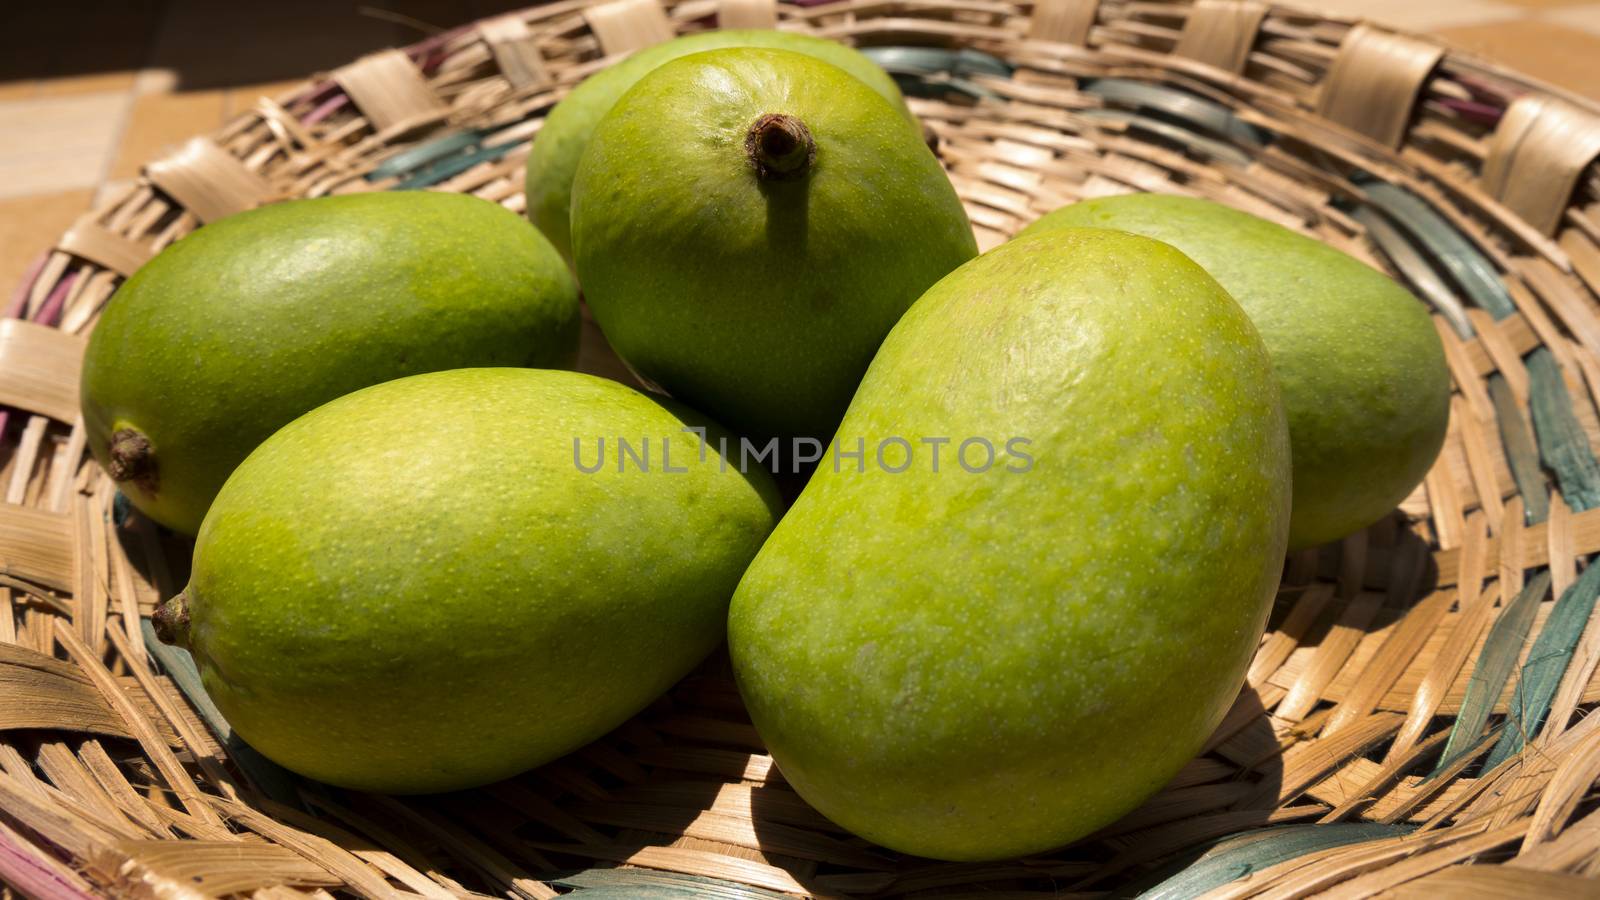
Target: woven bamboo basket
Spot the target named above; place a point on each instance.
(1415, 720)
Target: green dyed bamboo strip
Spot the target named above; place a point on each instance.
(1547, 663)
(1562, 444)
(423, 154)
(1493, 669)
(922, 61)
(451, 166)
(1235, 857)
(1522, 455)
(647, 883)
(1181, 106)
(1209, 148)
(1466, 264)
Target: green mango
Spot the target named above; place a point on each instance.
(1363, 373)
(417, 588)
(968, 653)
(553, 159)
(238, 328)
(749, 224)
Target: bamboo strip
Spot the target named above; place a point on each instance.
(193, 800)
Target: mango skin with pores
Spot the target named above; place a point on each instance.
(236, 329)
(980, 665)
(749, 223)
(417, 588)
(553, 159)
(1363, 372)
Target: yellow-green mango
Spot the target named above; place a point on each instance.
(749, 223)
(422, 586)
(1363, 373)
(1006, 652)
(233, 331)
(553, 160)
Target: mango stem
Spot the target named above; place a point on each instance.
(171, 620)
(781, 147)
(131, 459)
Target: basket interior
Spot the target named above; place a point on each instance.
(1420, 697)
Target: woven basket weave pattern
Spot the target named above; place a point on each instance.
(1422, 689)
